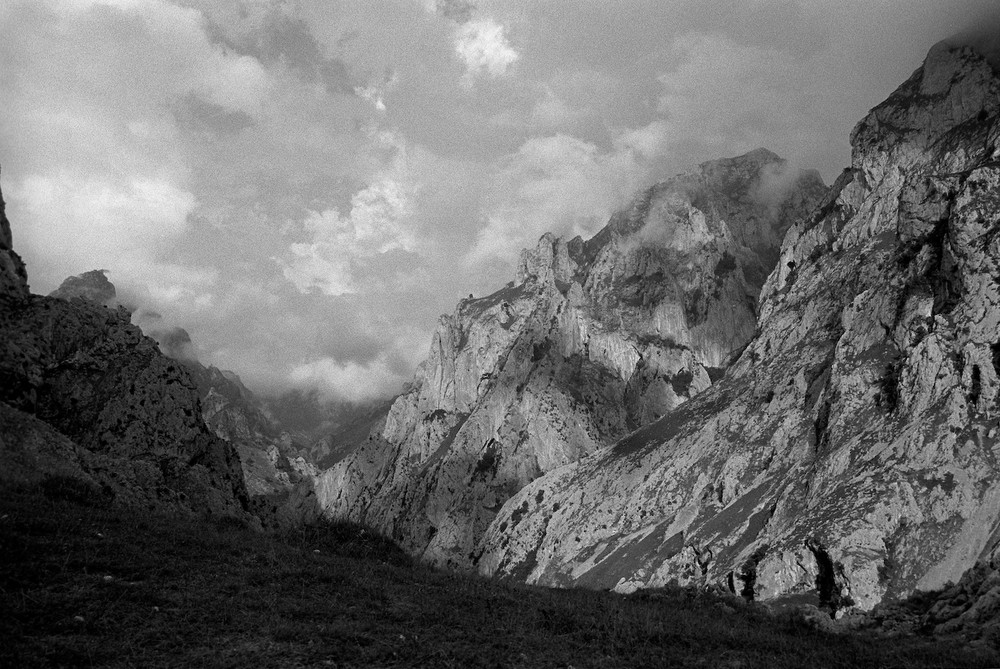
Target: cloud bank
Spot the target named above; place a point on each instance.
(305, 186)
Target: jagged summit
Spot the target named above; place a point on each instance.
(850, 454)
(935, 116)
(93, 286)
(13, 276)
(592, 340)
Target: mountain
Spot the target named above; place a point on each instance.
(850, 454)
(327, 430)
(89, 407)
(270, 462)
(592, 340)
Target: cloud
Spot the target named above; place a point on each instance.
(484, 49)
(378, 223)
(777, 109)
(564, 185)
(348, 380)
(100, 221)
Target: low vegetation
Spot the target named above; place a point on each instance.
(83, 584)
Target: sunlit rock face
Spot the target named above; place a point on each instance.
(591, 341)
(850, 453)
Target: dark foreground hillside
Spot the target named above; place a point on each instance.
(83, 584)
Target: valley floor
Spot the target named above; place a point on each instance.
(83, 584)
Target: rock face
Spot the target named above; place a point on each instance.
(272, 461)
(851, 452)
(13, 276)
(84, 396)
(593, 340)
(270, 464)
(92, 286)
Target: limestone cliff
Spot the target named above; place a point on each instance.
(851, 452)
(85, 397)
(592, 340)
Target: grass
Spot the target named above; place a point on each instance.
(83, 584)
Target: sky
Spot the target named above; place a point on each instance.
(307, 185)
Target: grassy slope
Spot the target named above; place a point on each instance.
(82, 584)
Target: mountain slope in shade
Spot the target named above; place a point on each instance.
(851, 453)
(591, 341)
(270, 462)
(87, 403)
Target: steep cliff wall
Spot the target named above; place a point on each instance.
(270, 464)
(13, 276)
(593, 340)
(85, 396)
(850, 454)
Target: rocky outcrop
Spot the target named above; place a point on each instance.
(92, 286)
(13, 276)
(593, 340)
(87, 372)
(850, 454)
(270, 462)
(85, 397)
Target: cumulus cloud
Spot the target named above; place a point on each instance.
(378, 223)
(564, 185)
(348, 380)
(98, 166)
(483, 47)
(184, 144)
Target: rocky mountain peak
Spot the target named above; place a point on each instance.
(954, 87)
(548, 262)
(592, 340)
(850, 454)
(93, 286)
(13, 276)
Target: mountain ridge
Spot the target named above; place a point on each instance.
(592, 340)
(846, 456)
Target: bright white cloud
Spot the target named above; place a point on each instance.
(100, 222)
(483, 48)
(348, 380)
(379, 222)
(565, 185)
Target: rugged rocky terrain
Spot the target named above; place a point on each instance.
(89, 403)
(591, 341)
(850, 453)
(271, 463)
